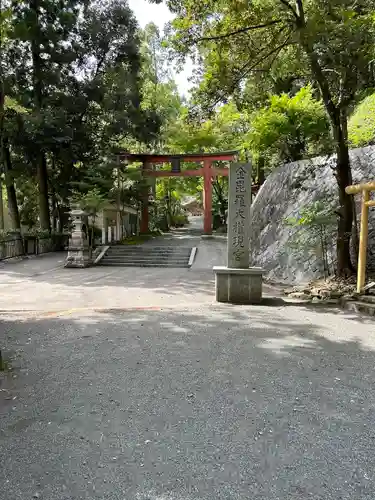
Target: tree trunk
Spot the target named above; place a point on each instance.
(54, 213)
(60, 218)
(41, 163)
(338, 120)
(218, 189)
(355, 231)
(2, 168)
(1, 205)
(260, 171)
(11, 190)
(345, 220)
(42, 175)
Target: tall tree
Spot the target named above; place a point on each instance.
(6, 105)
(43, 35)
(4, 16)
(335, 39)
(75, 66)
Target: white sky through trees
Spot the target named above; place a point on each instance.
(160, 15)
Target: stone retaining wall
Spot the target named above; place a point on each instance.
(286, 191)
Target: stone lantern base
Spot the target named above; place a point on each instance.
(238, 286)
(78, 258)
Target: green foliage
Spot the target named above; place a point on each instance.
(289, 128)
(222, 131)
(179, 220)
(91, 202)
(316, 214)
(361, 126)
(11, 104)
(167, 204)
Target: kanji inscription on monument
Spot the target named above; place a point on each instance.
(239, 203)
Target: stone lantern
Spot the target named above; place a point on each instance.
(79, 252)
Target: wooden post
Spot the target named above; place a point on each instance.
(363, 237)
(207, 197)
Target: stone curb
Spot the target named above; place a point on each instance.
(358, 306)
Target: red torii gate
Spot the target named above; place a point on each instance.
(207, 171)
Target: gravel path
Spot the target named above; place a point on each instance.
(195, 403)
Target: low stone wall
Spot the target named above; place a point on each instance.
(285, 193)
(12, 246)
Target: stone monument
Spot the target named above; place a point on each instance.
(238, 283)
(79, 252)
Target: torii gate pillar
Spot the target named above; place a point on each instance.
(145, 200)
(207, 197)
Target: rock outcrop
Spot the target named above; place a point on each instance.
(286, 192)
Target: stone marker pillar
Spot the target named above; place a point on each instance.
(79, 254)
(237, 283)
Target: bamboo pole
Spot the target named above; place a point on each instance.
(363, 238)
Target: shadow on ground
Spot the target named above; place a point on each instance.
(225, 403)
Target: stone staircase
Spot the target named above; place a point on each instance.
(147, 256)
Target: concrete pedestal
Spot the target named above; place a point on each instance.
(238, 286)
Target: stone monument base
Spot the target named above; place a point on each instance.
(78, 258)
(238, 286)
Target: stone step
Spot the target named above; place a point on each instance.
(152, 254)
(148, 247)
(148, 254)
(110, 263)
(141, 259)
